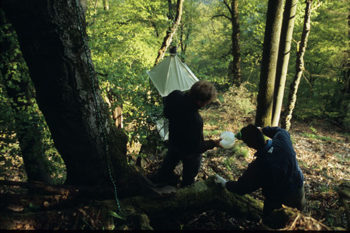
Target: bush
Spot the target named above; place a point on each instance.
(239, 105)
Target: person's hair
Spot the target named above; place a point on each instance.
(253, 137)
(203, 91)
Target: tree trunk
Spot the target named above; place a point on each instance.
(106, 5)
(28, 124)
(53, 41)
(234, 75)
(184, 39)
(170, 33)
(347, 65)
(162, 209)
(283, 57)
(269, 62)
(299, 67)
(236, 51)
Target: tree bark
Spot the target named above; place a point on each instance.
(299, 67)
(52, 37)
(347, 63)
(269, 62)
(283, 57)
(28, 124)
(185, 34)
(106, 5)
(236, 50)
(170, 33)
(235, 77)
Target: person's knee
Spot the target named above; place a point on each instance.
(297, 200)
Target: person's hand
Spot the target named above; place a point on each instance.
(219, 180)
(217, 143)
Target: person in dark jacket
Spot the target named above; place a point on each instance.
(186, 142)
(275, 169)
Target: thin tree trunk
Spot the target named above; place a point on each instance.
(283, 57)
(234, 74)
(236, 51)
(299, 66)
(170, 33)
(27, 120)
(106, 5)
(269, 63)
(347, 67)
(184, 38)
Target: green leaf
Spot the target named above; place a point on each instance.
(33, 206)
(114, 214)
(221, 98)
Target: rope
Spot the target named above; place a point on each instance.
(97, 105)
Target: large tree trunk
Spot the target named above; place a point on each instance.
(53, 41)
(292, 98)
(28, 124)
(170, 33)
(269, 62)
(236, 50)
(283, 57)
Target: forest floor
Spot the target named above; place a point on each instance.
(323, 153)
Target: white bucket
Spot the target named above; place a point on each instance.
(227, 139)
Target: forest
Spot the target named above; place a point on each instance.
(79, 138)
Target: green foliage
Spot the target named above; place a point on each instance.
(321, 94)
(240, 150)
(209, 53)
(239, 103)
(252, 25)
(124, 42)
(315, 135)
(19, 113)
(115, 215)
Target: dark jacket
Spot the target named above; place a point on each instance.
(275, 168)
(185, 124)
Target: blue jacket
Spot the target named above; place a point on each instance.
(275, 168)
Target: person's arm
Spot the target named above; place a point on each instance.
(208, 145)
(197, 144)
(250, 181)
(271, 131)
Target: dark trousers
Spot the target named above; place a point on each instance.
(190, 162)
(294, 200)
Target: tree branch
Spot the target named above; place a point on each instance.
(221, 15)
(228, 7)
